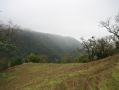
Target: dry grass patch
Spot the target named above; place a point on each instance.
(97, 75)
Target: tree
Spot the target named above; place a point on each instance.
(98, 48)
(7, 47)
(89, 47)
(32, 58)
(35, 58)
(104, 47)
(112, 27)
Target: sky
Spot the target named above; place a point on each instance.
(75, 18)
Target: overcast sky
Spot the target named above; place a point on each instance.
(74, 18)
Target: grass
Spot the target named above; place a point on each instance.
(113, 82)
(97, 75)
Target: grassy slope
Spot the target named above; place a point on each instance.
(97, 75)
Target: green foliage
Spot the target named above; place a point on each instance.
(83, 59)
(3, 64)
(67, 59)
(7, 49)
(99, 48)
(15, 61)
(74, 59)
(104, 47)
(34, 58)
(117, 45)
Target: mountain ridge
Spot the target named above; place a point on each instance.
(44, 43)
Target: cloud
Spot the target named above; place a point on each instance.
(74, 18)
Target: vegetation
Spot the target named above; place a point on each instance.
(37, 52)
(99, 48)
(96, 75)
(7, 48)
(18, 46)
(106, 46)
(40, 61)
(34, 58)
(112, 26)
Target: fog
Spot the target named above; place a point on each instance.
(74, 18)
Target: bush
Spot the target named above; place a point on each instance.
(83, 59)
(32, 58)
(3, 64)
(15, 62)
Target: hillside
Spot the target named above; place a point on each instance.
(97, 75)
(43, 43)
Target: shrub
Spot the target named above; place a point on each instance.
(15, 61)
(32, 58)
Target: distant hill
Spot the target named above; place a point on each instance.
(54, 46)
(96, 75)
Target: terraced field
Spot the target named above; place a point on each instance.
(97, 75)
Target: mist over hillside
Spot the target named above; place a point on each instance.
(43, 43)
(59, 45)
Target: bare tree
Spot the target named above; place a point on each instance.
(112, 27)
(89, 46)
(86, 47)
(117, 18)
